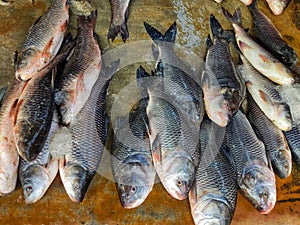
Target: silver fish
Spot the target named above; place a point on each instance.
(119, 11)
(260, 58)
(132, 164)
(9, 157)
(270, 37)
(37, 176)
(43, 40)
(175, 111)
(254, 177)
(214, 194)
(88, 135)
(222, 87)
(267, 96)
(82, 70)
(276, 145)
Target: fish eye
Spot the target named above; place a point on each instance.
(29, 188)
(133, 190)
(179, 183)
(76, 186)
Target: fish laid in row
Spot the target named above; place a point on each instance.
(214, 194)
(132, 164)
(174, 119)
(276, 145)
(74, 85)
(36, 176)
(270, 37)
(43, 40)
(259, 57)
(222, 87)
(254, 176)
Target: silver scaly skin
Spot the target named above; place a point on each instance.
(214, 194)
(276, 145)
(43, 40)
(254, 176)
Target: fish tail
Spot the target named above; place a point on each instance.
(114, 30)
(253, 5)
(93, 18)
(155, 35)
(235, 18)
(140, 74)
(215, 26)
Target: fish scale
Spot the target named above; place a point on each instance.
(293, 139)
(81, 71)
(270, 37)
(254, 177)
(214, 193)
(43, 28)
(276, 145)
(34, 114)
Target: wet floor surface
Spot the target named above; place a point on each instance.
(101, 204)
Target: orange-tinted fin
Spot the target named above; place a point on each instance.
(264, 58)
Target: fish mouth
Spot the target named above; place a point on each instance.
(268, 209)
(75, 198)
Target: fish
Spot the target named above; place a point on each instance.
(132, 164)
(293, 139)
(9, 157)
(3, 91)
(277, 6)
(259, 57)
(221, 84)
(175, 111)
(37, 176)
(214, 194)
(267, 96)
(273, 138)
(265, 31)
(118, 24)
(33, 116)
(74, 85)
(42, 41)
(247, 2)
(255, 178)
(88, 134)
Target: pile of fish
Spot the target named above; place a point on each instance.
(207, 140)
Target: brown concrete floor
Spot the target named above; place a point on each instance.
(101, 204)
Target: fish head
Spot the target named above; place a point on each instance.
(135, 184)
(283, 162)
(258, 186)
(8, 180)
(35, 184)
(178, 176)
(288, 56)
(76, 181)
(284, 117)
(28, 65)
(212, 209)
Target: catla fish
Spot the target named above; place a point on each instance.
(175, 111)
(221, 85)
(132, 164)
(276, 145)
(270, 37)
(74, 86)
(43, 40)
(37, 176)
(119, 11)
(266, 95)
(260, 58)
(34, 112)
(277, 6)
(9, 157)
(293, 139)
(88, 135)
(254, 176)
(214, 193)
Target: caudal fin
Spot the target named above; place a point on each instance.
(235, 18)
(170, 34)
